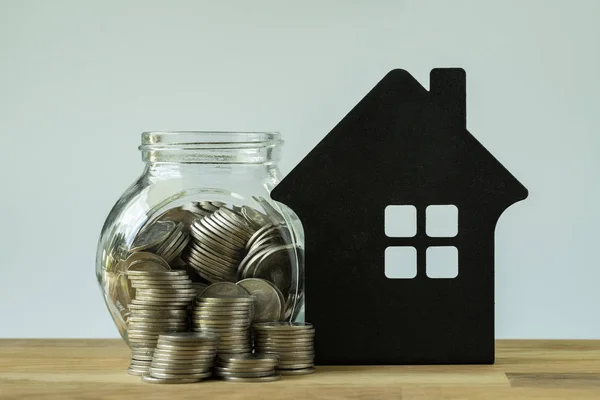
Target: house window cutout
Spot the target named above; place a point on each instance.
(441, 220)
(442, 262)
(400, 262)
(400, 221)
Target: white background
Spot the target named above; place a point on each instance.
(80, 80)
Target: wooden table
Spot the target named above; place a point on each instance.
(90, 369)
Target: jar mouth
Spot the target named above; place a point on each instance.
(210, 147)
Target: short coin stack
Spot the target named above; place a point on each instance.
(160, 305)
(247, 367)
(292, 342)
(184, 357)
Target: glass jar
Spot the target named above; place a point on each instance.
(202, 205)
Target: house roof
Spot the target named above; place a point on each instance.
(404, 143)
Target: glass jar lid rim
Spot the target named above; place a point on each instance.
(209, 139)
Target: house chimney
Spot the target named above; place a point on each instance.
(448, 88)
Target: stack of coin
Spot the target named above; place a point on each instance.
(247, 367)
(218, 245)
(226, 309)
(164, 238)
(184, 357)
(292, 342)
(160, 305)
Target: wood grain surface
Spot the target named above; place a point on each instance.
(96, 369)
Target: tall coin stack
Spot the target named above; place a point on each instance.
(161, 303)
(292, 342)
(226, 309)
(247, 367)
(185, 357)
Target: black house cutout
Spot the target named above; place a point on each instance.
(405, 147)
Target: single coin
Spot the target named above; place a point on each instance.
(276, 266)
(224, 290)
(270, 378)
(254, 217)
(151, 379)
(201, 375)
(147, 308)
(136, 372)
(183, 359)
(251, 374)
(148, 279)
(193, 337)
(198, 347)
(268, 305)
(285, 366)
(147, 259)
(249, 359)
(283, 327)
(175, 371)
(162, 292)
(152, 235)
(142, 274)
(303, 371)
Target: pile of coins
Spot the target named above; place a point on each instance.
(182, 358)
(160, 305)
(247, 367)
(292, 342)
(225, 309)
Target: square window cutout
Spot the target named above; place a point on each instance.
(400, 262)
(442, 262)
(400, 221)
(441, 220)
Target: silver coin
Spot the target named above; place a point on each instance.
(194, 348)
(237, 220)
(147, 320)
(170, 241)
(257, 235)
(270, 378)
(191, 364)
(179, 214)
(303, 371)
(252, 359)
(167, 291)
(288, 366)
(283, 327)
(220, 371)
(273, 239)
(136, 372)
(147, 262)
(203, 248)
(254, 217)
(151, 274)
(147, 308)
(159, 278)
(268, 305)
(174, 371)
(140, 363)
(245, 367)
(151, 379)
(178, 249)
(202, 375)
(208, 206)
(220, 232)
(203, 234)
(240, 233)
(223, 289)
(152, 235)
(276, 267)
(200, 254)
(192, 337)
